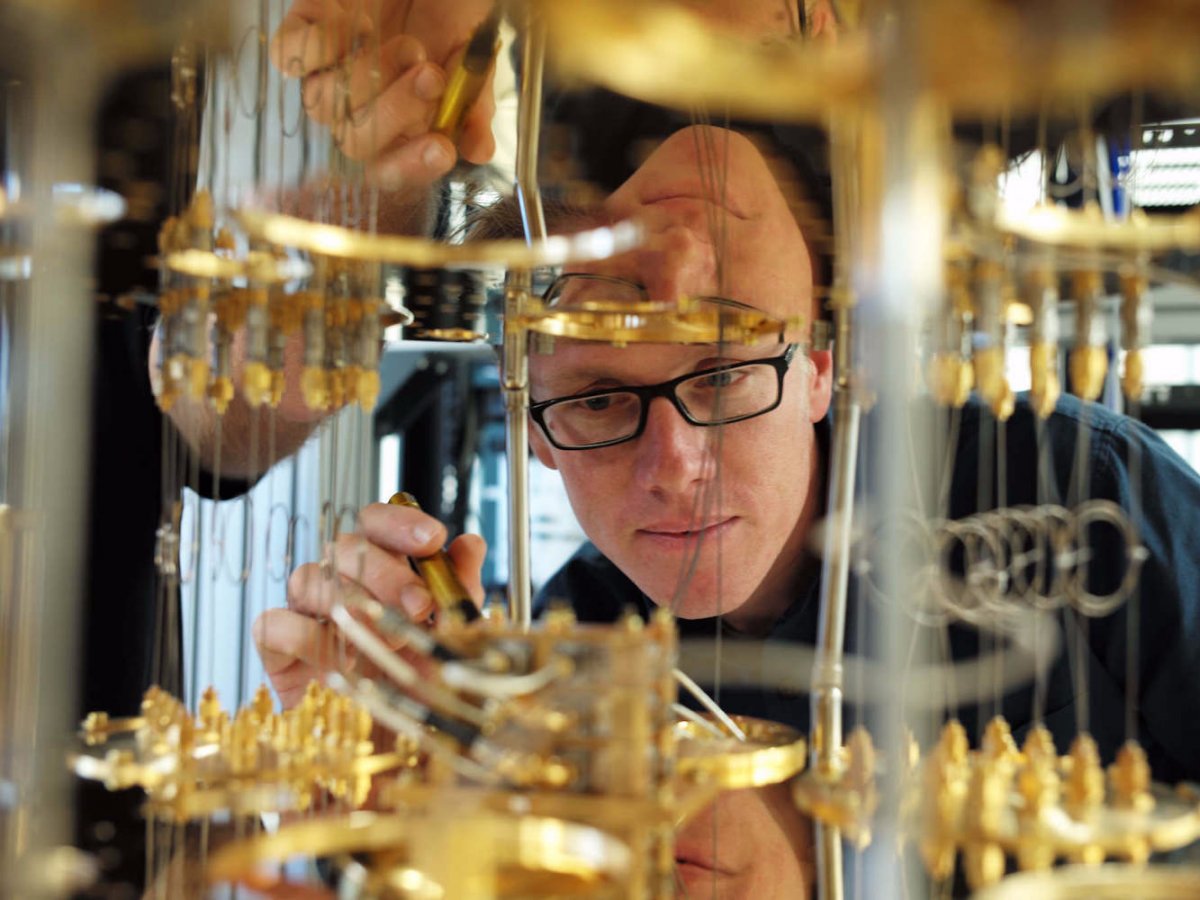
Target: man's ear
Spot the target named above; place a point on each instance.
(541, 447)
(820, 387)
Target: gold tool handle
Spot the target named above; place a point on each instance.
(438, 572)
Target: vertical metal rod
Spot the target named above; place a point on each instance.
(828, 675)
(518, 287)
(51, 369)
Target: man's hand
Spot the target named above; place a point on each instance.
(298, 643)
(375, 73)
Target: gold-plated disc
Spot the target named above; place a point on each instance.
(1108, 882)
(1086, 228)
(655, 322)
(983, 57)
(496, 855)
(662, 53)
(770, 754)
(255, 266)
(348, 243)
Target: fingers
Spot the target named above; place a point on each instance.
(316, 35)
(330, 94)
(403, 110)
(376, 563)
(364, 569)
(402, 529)
(419, 162)
(467, 552)
(294, 649)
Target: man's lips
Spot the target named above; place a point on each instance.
(685, 529)
(697, 860)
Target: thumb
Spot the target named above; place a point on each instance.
(467, 552)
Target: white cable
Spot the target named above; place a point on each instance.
(692, 716)
(709, 704)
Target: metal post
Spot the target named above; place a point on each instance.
(47, 428)
(518, 287)
(828, 675)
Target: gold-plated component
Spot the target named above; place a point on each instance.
(1089, 368)
(1039, 787)
(257, 266)
(687, 321)
(347, 243)
(1135, 328)
(253, 761)
(367, 389)
(1037, 808)
(665, 54)
(998, 743)
(945, 781)
(1045, 386)
(770, 754)
(1133, 375)
(1088, 361)
(846, 798)
(989, 374)
(951, 378)
(987, 801)
(509, 855)
(1155, 882)
(314, 384)
(256, 383)
(1057, 226)
(1130, 778)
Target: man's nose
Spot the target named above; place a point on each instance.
(673, 455)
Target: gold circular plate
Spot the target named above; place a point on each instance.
(983, 57)
(995, 56)
(523, 855)
(255, 266)
(1107, 882)
(654, 322)
(770, 754)
(348, 243)
(662, 53)
(1059, 227)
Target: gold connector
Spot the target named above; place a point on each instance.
(1089, 366)
(1045, 386)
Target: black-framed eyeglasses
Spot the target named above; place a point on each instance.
(717, 396)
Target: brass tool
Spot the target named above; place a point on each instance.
(467, 79)
(438, 572)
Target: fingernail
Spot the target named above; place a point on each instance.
(422, 534)
(435, 156)
(429, 84)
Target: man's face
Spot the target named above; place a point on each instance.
(706, 520)
(751, 844)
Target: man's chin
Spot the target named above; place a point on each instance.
(696, 605)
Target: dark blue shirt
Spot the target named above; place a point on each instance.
(1126, 463)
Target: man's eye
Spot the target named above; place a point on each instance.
(718, 379)
(597, 404)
